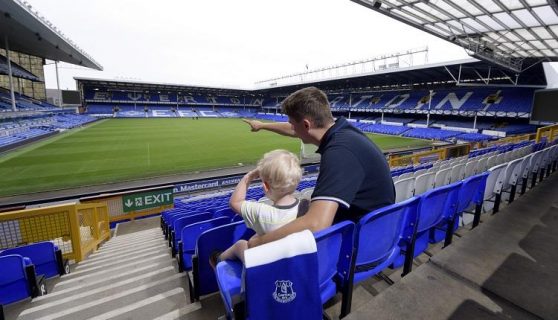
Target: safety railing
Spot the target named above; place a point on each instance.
(77, 229)
(427, 156)
(512, 139)
(548, 132)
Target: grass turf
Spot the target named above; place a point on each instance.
(126, 149)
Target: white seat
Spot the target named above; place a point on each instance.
(457, 173)
(493, 182)
(419, 172)
(481, 165)
(471, 168)
(424, 182)
(442, 177)
(404, 189)
(491, 162)
(510, 172)
(500, 158)
(405, 175)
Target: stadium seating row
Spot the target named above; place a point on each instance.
(23, 271)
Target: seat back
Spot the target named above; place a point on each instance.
(13, 281)
(217, 239)
(179, 224)
(492, 161)
(471, 168)
(536, 161)
(493, 179)
(190, 234)
(42, 255)
(435, 205)
(481, 164)
(526, 166)
(419, 172)
(457, 173)
(335, 249)
(471, 191)
(281, 279)
(442, 177)
(380, 234)
(424, 182)
(511, 173)
(404, 188)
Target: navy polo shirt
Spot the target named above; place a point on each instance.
(353, 173)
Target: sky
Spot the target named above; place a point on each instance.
(223, 43)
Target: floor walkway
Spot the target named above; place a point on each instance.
(504, 269)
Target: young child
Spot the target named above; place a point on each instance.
(280, 173)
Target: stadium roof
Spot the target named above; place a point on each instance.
(17, 70)
(467, 72)
(514, 34)
(32, 34)
(137, 85)
(461, 72)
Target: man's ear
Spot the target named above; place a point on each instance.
(307, 124)
(265, 187)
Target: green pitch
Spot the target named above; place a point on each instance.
(126, 149)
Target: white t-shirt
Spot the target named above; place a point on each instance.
(263, 218)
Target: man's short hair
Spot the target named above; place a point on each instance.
(311, 103)
(281, 170)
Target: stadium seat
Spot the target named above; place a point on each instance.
(471, 168)
(380, 236)
(219, 238)
(436, 208)
(335, 254)
(442, 178)
(424, 182)
(280, 281)
(509, 175)
(493, 182)
(471, 192)
(189, 238)
(45, 256)
(18, 279)
(404, 189)
(176, 234)
(457, 173)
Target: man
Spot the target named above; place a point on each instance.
(354, 176)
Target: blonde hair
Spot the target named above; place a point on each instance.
(281, 170)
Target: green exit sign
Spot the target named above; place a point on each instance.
(146, 200)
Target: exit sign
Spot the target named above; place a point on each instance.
(146, 200)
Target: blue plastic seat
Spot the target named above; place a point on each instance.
(436, 208)
(280, 281)
(380, 237)
(176, 233)
(18, 280)
(335, 251)
(470, 192)
(189, 237)
(216, 239)
(177, 215)
(45, 256)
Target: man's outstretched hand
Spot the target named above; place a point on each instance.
(255, 125)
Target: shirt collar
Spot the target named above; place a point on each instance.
(341, 122)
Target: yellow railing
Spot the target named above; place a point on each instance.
(77, 229)
(548, 132)
(432, 155)
(513, 139)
